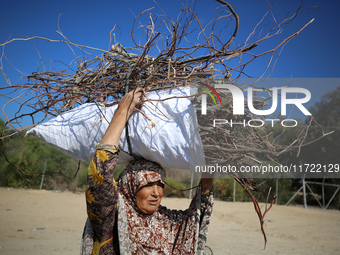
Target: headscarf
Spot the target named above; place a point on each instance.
(163, 232)
(138, 173)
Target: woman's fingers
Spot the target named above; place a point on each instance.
(131, 100)
(139, 95)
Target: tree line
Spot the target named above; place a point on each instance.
(23, 159)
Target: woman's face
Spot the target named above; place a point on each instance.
(149, 197)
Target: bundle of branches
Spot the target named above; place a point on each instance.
(170, 56)
(166, 59)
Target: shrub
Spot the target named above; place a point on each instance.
(174, 188)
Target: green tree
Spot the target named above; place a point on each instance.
(23, 159)
(320, 149)
(327, 114)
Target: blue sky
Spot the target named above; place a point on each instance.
(315, 53)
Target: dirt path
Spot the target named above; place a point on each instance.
(36, 222)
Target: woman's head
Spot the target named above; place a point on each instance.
(142, 182)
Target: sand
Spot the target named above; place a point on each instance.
(50, 222)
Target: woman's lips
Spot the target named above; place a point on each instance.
(153, 202)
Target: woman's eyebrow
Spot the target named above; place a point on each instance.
(153, 183)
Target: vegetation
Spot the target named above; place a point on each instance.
(322, 151)
(23, 159)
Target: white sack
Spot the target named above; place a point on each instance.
(173, 143)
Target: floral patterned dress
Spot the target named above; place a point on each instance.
(116, 226)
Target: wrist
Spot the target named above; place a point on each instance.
(121, 115)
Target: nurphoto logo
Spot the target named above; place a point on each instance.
(238, 96)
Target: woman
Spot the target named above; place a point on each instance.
(126, 217)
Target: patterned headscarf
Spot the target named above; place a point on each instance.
(137, 174)
(164, 231)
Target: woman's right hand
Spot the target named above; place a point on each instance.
(125, 108)
(131, 100)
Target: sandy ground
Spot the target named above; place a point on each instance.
(49, 222)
